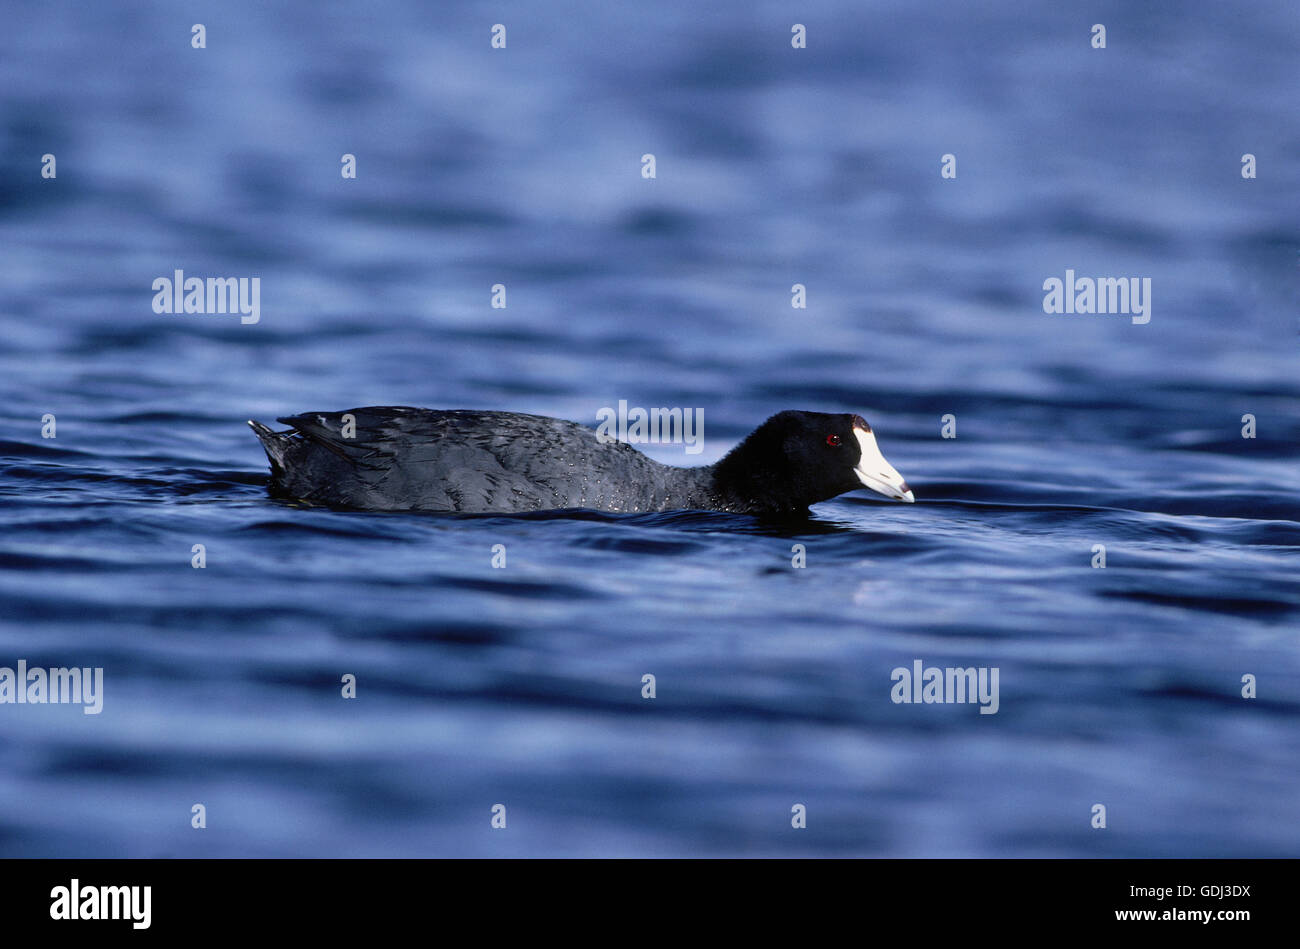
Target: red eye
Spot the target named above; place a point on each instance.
(833, 441)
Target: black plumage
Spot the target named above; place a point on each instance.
(405, 459)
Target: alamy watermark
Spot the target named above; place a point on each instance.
(181, 294)
(1124, 295)
(930, 684)
(57, 686)
(78, 901)
(675, 426)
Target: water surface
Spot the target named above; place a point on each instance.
(522, 686)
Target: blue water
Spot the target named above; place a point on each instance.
(521, 686)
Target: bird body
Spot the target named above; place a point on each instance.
(398, 458)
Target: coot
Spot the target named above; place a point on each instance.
(397, 458)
